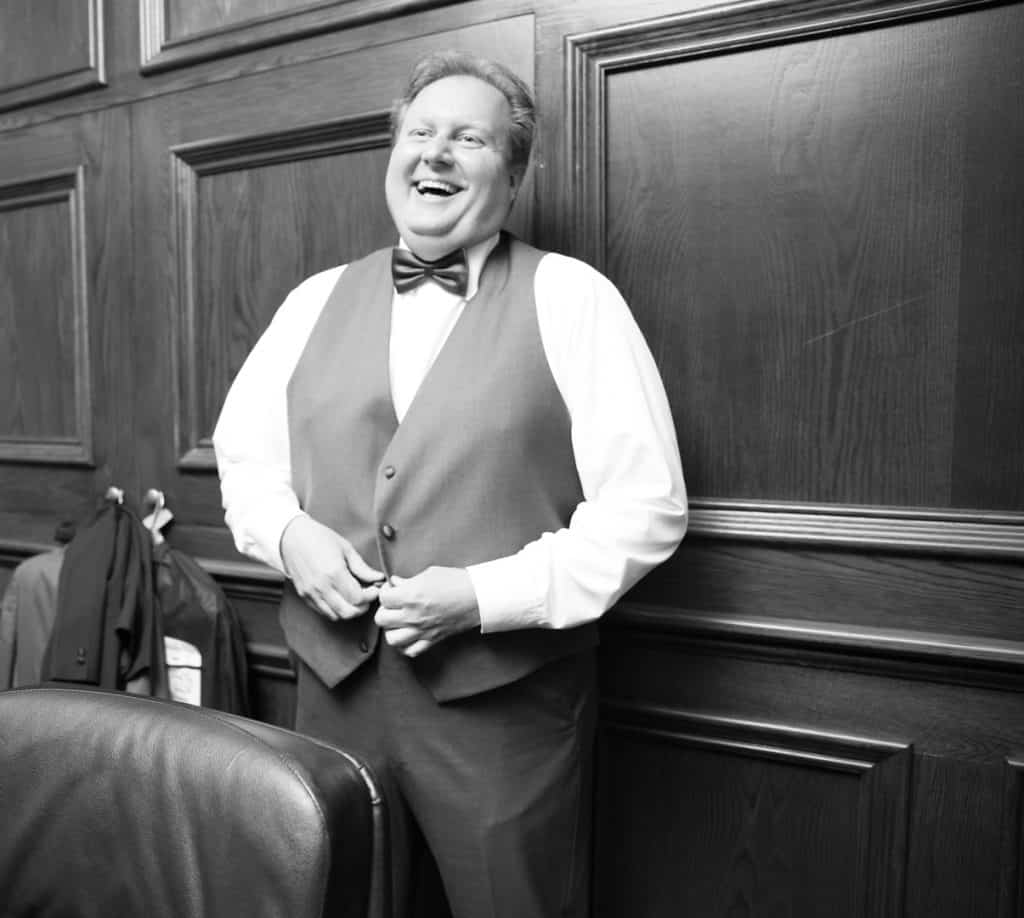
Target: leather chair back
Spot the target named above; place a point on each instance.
(121, 805)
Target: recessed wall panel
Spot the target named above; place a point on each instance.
(49, 48)
(44, 414)
(791, 206)
(256, 217)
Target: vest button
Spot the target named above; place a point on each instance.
(389, 471)
(364, 646)
(387, 531)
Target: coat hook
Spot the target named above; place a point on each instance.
(156, 498)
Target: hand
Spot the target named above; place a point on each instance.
(326, 570)
(416, 613)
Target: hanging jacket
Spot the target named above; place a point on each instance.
(194, 609)
(107, 631)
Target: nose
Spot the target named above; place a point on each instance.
(436, 150)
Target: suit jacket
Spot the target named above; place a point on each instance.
(107, 631)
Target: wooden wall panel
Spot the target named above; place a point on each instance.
(965, 799)
(289, 199)
(1011, 865)
(44, 321)
(791, 822)
(65, 213)
(49, 48)
(792, 239)
(176, 33)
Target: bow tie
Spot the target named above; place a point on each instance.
(450, 272)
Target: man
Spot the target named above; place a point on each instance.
(457, 481)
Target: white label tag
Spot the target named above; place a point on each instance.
(184, 670)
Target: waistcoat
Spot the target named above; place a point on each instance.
(481, 464)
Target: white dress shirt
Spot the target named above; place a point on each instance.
(634, 511)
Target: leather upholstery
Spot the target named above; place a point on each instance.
(120, 805)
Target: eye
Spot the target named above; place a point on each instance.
(470, 139)
(419, 132)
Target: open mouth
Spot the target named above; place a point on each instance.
(432, 188)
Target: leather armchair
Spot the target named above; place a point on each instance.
(115, 806)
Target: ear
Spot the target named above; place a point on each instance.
(515, 179)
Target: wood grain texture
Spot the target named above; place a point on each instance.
(180, 32)
(964, 799)
(289, 198)
(1011, 863)
(49, 48)
(44, 367)
(788, 820)
(869, 589)
(786, 221)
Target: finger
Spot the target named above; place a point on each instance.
(390, 618)
(391, 597)
(321, 606)
(416, 648)
(359, 568)
(401, 637)
(341, 607)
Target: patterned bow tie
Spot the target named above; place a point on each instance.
(408, 271)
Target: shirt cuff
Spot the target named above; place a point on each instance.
(509, 594)
(264, 541)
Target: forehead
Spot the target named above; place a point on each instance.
(461, 98)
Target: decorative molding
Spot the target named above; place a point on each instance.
(591, 57)
(191, 161)
(1011, 873)
(271, 661)
(936, 658)
(778, 742)
(883, 768)
(91, 75)
(66, 188)
(161, 53)
(894, 529)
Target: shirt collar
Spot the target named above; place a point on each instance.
(476, 255)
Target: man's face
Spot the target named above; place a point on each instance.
(448, 184)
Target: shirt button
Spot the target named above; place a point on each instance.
(387, 531)
(389, 471)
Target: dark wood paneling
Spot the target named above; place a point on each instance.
(289, 198)
(791, 236)
(183, 32)
(65, 280)
(1011, 872)
(972, 599)
(49, 48)
(954, 801)
(989, 439)
(44, 321)
(790, 822)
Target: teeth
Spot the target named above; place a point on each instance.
(433, 185)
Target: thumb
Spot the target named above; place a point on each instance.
(360, 568)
